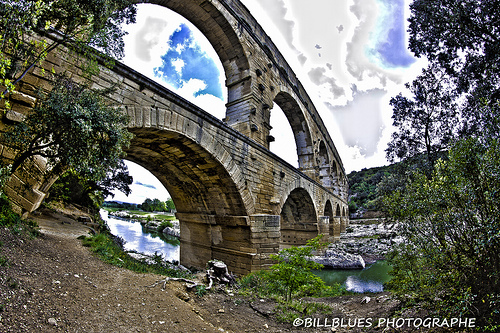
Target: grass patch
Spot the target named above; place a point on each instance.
(288, 312)
(11, 220)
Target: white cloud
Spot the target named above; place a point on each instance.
(178, 64)
(145, 186)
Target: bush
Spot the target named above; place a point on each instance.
(10, 219)
(291, 276)
(164, 224)
(451, 222)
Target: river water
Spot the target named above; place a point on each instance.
(139, 239)
(369, 279)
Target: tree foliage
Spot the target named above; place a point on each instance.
(78, 24)
(448, 209)
(427, 123)
(156, 205)
(74, 128)
(73, 188)
(463, 38)
(451, 223)
(293, 269)
(363, 187)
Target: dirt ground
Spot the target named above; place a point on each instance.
(54, 284)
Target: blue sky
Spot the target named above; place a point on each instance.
(351, 56)
(388, 42)
(185, 61)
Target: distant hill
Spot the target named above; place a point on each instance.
(363, 190)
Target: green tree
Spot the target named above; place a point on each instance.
(77, 24)
(450, 259)
(73, 188)
(427, 122)
(463, 38)
(72, 128)
(147, 205)
(170, 204)
(293, 269)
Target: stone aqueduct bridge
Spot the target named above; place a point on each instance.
(236, 201)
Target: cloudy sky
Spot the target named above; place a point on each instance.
(350, 55)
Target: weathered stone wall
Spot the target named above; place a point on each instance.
(257, 78)
(236, 201)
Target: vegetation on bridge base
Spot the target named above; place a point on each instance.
(292, 277)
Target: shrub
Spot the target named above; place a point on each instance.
(164, 224)
(451, 223)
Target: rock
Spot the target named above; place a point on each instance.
(84, 219)
(52, 321)
(366, 300)
(182, 296)
(172, 232)
(339, 260)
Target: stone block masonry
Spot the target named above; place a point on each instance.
(236, 201)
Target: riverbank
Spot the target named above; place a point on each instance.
(158, 222)
(364, 243)
(52, 283)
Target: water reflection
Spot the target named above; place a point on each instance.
(137, 238)
(370, 279)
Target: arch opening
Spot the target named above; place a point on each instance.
(328, 210)
(175, 42)
(300, 129)
(284, 144)
(209, 205)
(325, 176)
(298, 219)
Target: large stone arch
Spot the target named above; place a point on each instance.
(209, 204)
(196, 180)
(298, 219)
(217, 24)
(300, 129)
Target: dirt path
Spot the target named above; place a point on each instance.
(54, 284)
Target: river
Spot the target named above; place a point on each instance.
(369, 279)
(139, 239)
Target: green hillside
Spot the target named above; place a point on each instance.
(363, 188)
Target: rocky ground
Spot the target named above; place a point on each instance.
(54, 284)
(371, 239)
(363, 243)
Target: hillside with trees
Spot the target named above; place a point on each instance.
(363, 193)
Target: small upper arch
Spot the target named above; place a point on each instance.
(300, 127)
